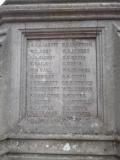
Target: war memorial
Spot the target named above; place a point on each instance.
(60, 80)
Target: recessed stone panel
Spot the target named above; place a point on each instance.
(61, 78)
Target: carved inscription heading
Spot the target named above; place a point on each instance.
(61, 79)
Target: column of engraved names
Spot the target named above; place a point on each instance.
(79, 79)
(42, 80)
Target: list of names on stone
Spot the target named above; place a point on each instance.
(61, 78)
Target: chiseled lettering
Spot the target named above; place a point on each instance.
(61, 78)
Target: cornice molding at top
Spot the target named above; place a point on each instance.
(17, 2)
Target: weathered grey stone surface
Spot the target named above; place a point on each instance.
(59, 80)
(57, 1)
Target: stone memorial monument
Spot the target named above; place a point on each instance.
(60, 80)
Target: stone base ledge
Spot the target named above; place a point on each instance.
(99, 146)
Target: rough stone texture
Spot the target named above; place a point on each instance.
(59, 80)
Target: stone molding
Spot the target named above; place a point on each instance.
(59, 12)
(9, 2)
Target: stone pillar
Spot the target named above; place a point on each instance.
(60, 80)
